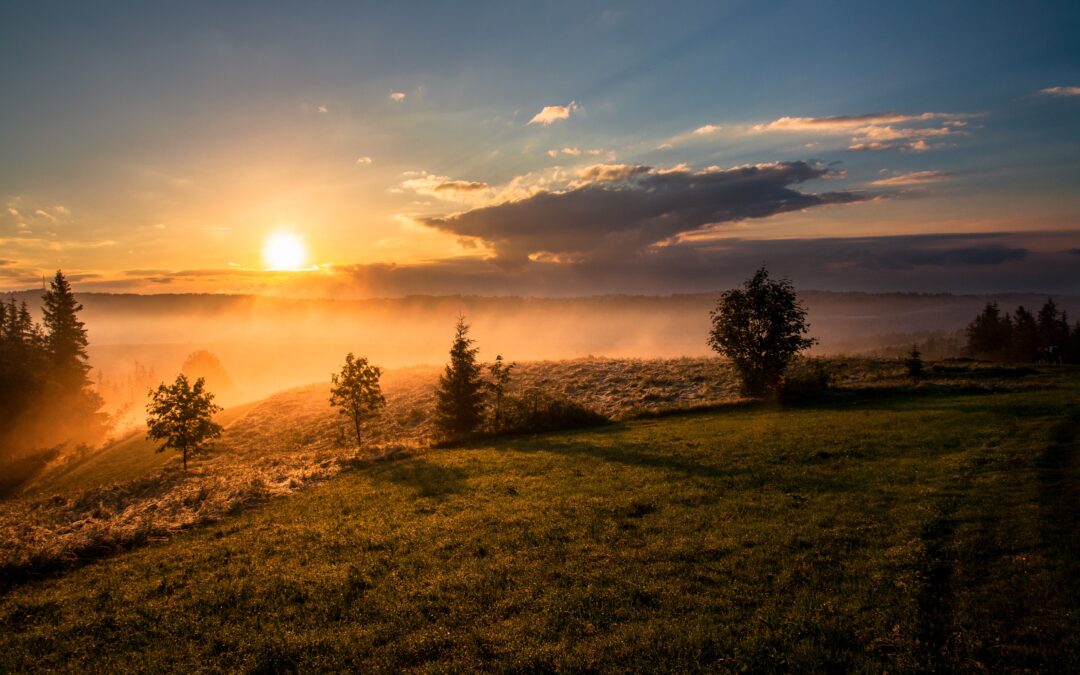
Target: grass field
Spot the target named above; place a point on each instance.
(887, 530)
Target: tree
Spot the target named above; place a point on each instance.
(356, 392)
(181, 415)
(459, 400)
(760, 327)
(914, 363)
(990, 334)
(500, 380)
(65, 333)
(1024, 345)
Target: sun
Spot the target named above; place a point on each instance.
(284, 251)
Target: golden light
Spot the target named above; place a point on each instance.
(284, 251)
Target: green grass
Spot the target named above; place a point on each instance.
(899, 532)
(129, 458)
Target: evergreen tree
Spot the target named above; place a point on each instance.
(460, 398)
(914, 363)
(1025, 336)
(990, 334)
(65, 333)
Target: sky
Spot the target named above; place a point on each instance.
(544, 148)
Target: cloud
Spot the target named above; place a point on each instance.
(877, 131)
(913, 178)
(364, 159)
(322, 108)
(1060, 91)
(460, 186)
(397, 96)
(706, 130)
(550, 114)
(614, 210)
(571, 151)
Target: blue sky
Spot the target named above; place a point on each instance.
(156, 147)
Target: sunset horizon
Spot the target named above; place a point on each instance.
(900, 159)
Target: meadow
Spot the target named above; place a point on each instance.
(877, 527)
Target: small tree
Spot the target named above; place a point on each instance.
(459, 400)
(760, 327)
(181, 416)
(356, 392)
(914, 363)
(500, 380)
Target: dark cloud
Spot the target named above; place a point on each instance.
(994, 254)
(619, 210)
(4, 263)
(1074, 251)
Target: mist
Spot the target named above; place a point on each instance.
(269, 344)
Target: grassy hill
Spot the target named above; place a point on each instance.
(893, 530)
(129, 458)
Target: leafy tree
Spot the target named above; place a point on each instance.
(760, 327)
(459, 400)
(65, 339)
(181, 415)
(500, 380)
(356, 392)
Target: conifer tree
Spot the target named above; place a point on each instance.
(65, 333)
(460, 397)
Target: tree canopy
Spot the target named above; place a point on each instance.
(761, 328)
(181, 416)
(356, 392)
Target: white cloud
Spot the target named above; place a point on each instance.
(877, 131)
(364, 160)
(571, 151)
(913, 178)
(322, 108)
(397, 96)
(706, 130)
(550, 114)
(1060, 91)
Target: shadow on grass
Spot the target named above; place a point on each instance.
(428, 479)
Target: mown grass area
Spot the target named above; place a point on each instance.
(918, 530)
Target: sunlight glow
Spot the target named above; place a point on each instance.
(284, 251)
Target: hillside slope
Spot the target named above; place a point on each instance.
(899, 531)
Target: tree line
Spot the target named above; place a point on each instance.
(1023, 336)
(46, 398)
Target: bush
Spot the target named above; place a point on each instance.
(535, 411)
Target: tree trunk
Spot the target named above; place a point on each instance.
(185, 458)
(356, 423)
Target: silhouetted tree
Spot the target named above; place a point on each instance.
(459, 400)
(181, 415)
(990, 334)
(760, 327)
(65, 333)
(500, 380)
(206, 365)
(1024, 345)
(356, 392)
(1053, 328)
(914, 363)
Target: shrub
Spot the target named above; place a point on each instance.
(535, 411)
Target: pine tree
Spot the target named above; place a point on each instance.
(460, 397)
(500, 380)
(65, 334)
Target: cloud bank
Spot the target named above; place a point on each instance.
(615, 210)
